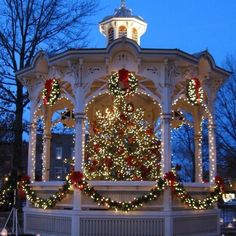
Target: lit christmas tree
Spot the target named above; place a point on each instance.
(123, 146)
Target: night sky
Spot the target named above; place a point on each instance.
(190, 25)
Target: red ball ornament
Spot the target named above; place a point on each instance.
(123, 117)
(96, 147)
(120, 150)
(129, 107)
(131, 140)
(108, 162)
(95, 128)
(149, 131)
(129, 161)
(94, 162)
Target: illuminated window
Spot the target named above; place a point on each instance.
(58, 172)
(135, 35)
(58, 153)
(110, 35)
(122, 31)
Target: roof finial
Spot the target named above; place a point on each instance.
(122, 3)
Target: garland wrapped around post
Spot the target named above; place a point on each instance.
(77, 180)
(195, 93)
(51, 92)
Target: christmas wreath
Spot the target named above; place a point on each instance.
(195, 92)
(51, 92)
(122, 83)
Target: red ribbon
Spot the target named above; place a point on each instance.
(170, 176)
(197, 88)
(124, 78)
(48, 87)
(25, 178)
(76, 177)
(21, 192)
(220, 182)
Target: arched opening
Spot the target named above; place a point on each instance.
(122, 31)
(135, 34)
(116, 132)
(110, 35)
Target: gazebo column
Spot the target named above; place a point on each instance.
(80, 137)
(166, 147)
(32, 142)
(166, 142)
(47, 147)
(79, 153)
(211, 89)
(212, 152)
(198, 145)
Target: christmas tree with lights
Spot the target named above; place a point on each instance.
(123, 145)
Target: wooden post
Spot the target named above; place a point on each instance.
(166, 146)
(32, 143)
(79, 153)
(212, 152)
(47, 146)
(198, 145)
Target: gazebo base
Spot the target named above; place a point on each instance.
(108, 223)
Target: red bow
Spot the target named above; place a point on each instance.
(220, 182)
(48, 87)
(76, 177)
(124, 78)
(108, 162)
(25, 178)
(170, 176)
(197, 88)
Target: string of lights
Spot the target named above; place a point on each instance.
(77, 180)
(195, 92)
(51, 92)
(5, 191)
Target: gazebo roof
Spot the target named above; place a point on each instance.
(87, 53)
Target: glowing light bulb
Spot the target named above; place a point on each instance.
(4, 232)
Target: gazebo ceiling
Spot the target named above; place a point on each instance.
(101, 103)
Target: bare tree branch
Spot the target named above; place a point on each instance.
(26, 27)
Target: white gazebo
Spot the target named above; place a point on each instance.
(163, 76)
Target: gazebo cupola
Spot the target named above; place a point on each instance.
(123, 24)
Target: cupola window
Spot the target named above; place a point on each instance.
(110, 35)
(122, 31)
(135, 35)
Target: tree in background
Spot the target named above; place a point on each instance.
(123, 146)
(226, 122)
(28, 26)
(183, 151)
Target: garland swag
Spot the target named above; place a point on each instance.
(77, 180)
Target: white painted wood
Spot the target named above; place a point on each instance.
(99, 223)
(198, 146)
(212, 153)
(47, 145)
(32, 142)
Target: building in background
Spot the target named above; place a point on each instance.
(62, 148)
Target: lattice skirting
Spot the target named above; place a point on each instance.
(99, 223)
